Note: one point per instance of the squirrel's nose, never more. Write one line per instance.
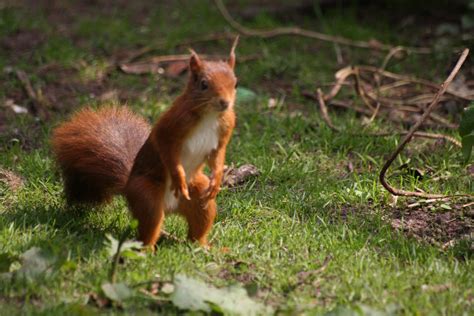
(224, 104)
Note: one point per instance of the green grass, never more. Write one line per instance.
(302, 208)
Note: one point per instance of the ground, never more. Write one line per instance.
(313, 231)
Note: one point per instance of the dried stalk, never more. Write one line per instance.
(324, 111)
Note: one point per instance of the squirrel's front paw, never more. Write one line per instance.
(213, 189)
(183, 189)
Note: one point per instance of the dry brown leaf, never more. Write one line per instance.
(176, 69)
(141, 68)
(235, 176)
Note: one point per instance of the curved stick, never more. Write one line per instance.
(412, 131)
(311, 34)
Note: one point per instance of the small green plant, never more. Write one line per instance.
(466, 130)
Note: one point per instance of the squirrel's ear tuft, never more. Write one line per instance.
(231, 60)
(194, 62)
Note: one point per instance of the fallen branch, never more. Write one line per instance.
(186, 42)
(310, 34)
(153, 64)
(411, 133)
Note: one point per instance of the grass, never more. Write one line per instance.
(302, 208)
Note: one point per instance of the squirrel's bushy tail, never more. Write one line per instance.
(96, 150)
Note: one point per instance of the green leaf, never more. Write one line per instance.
(128, 246)
(343, 311)
(362, 310)
(466, 126)
(117, 292)
(467, 143)
(245, 95)
(35, 263)
(132, 254)
(194, 295)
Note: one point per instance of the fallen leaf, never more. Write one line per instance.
(191, 294)
(117, 292)
(235, 176)
(245, 95)
(35, 262)
(141, 68)
(167, 288)
(110, 95)
(18, 109)
(176, 69)
(127, 250)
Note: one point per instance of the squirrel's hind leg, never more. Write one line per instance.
(199, 212)
(145, 200)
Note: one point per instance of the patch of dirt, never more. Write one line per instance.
(240, 271)
(11, 179)
(438, 227)
(29, 138)
(22, 41)
(427, 223)
(63, 86)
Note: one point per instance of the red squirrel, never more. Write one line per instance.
(159, 171)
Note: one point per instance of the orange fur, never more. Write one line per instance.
(164, 173)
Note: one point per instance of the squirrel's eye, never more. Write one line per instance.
(203, 84)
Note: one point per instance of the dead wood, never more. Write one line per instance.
(310, 34)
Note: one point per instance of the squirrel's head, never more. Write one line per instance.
(213, 83)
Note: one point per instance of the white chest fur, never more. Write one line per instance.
(198, 145)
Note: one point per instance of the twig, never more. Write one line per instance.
(467, 205)
(447, 138)
(390, 54)
(412, 131)
(38, 103)
(324, 111)
(310, 34)
(113, 270)
(360, 90)
(325, 115)
(344, 73)
(387, 58)
(428, 83)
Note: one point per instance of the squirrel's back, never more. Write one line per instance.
(96, 149)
